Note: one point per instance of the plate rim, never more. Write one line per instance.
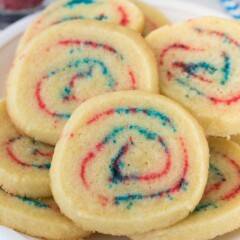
(17, 28)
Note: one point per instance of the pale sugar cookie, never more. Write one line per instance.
(38, 218)
(121, 12)
(129, 162)
(236, 138)
(24, 162)
(219, 209)
(154, 18)
(198, 66)
(69, 63)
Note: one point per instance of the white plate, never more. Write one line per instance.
(175, 10)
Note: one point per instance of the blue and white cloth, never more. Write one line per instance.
(232, 7)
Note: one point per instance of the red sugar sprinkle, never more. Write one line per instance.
(68, 135)
(100, 146)
(157, 175)
(169, 76)
(100, 115)
(69, 42)
(89, 157)
(232, 194)
(226, 101)
(41, 104)
(133, 80)
(213, 188)
(185, 169)
(236, 189)
(124, 20)
(14, 157)
(176, 46)
(104, 200)
(133, 110)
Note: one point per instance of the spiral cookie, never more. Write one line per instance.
(129, 162)
(121, 12)
(40, 218)
(219, 209)
(154, 18)
(75, 61)
(24, 162)
(198, 65)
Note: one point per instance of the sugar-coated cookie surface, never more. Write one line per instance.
(236, 138)
(24, 162)
(69, 63)
(154, 18)
(39, 218)
(128, 162)
(120, 12)
(198, 65)
(219, 210)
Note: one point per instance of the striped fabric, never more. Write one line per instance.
(232, 7)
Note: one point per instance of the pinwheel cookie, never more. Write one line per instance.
(40, 218)
(154, 18)
(70, 63)
(198, 65)
(121, 12)
(129, 162)
(219, 209)
(24, 162)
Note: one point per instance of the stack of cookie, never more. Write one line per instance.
(128, 160)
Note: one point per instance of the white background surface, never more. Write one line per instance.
(175, 10)
(214, 4)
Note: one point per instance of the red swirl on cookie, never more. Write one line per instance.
(198, 73)
(29, 153)
(117, 173)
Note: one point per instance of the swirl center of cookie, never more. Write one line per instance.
(207, 71)
(83, 76)
(29, 153)
(223, 184)
(129, 144)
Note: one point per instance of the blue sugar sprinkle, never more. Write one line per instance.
(185, 84)
(204, 207)
(149, 112)
(193, 68)
(32, 202)
(226, 69)
(73, 3)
